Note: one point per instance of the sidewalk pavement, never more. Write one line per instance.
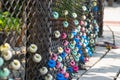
(118, 77)
(112, 15)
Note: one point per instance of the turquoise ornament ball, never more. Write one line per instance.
(10, 79)
(74, 52)
(4, 73)
(65, 24)
(55, 15)
(77, 58)
(71, 46)
(76, 22)
(59, 58)
(1, 61)
(78, 28)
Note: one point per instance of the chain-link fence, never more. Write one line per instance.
(55, 26)
(62, 31)
(12, 39)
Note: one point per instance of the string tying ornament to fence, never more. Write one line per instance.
(109, 45)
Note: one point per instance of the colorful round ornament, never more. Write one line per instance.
(70, 36)
(75, 68)
(5, 47)
(67, 50)
(37, 58)
(59, 59)
(94, 3)
(78, 28)
(4, 73)
(74, 52)
(63, 35)
(73, 42)
(77, 58)
(65, 12)
(86, 59)
(55, 15)
(65, 42)
(7, 55)
(43, 70)
(76, 49)
(1, 61)
(57, 34)
(63, 55)
(83, 17)
(84, 8)
(81, 23)
(60, 76)
(48, 77)
(72, 62)
(61, 70)
(54, 57)
(58, 64)
(66, 75)
(76, 22)
(70, 69)
(95, 8)
(72, 46)
(65, 24)
(51, 63)
(74, 15)
(60, 50)
(32, 48)
(15, 64)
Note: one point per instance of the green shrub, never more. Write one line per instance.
(8, 23)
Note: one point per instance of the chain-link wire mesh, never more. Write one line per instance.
(12, 39)
(49, 18)
(26, 22)
(39, 34)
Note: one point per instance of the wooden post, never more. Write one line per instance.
(100, 19)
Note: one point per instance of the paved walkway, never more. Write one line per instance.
(112, 15)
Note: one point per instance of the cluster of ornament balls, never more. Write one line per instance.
(73, 47)
(37, 59)
(7, 54)
(55, 60)
(51, 64)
